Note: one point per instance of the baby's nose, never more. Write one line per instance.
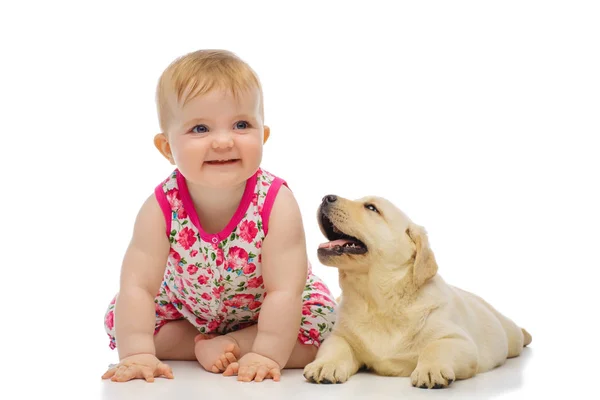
(222, 141)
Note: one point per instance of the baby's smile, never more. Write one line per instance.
(221, 162)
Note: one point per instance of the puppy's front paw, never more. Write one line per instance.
(432, 376)
(320, 371)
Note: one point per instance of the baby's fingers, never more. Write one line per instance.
(164, 369)
(147, 374)
(275, 373)
(124, 373)
(109, 373)
(261, 373)
(247, 373)
(232, 369)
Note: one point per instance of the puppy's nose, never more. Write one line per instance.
(330, 198)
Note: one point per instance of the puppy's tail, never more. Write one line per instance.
(526, 337)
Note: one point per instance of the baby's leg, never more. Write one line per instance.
(173, 336)
(176, 341)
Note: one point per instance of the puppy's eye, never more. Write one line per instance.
(372, 208)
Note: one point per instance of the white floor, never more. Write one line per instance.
(562, 361)
(513, 380)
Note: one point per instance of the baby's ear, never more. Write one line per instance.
(425, 266)
(162, 144)
(266, 134)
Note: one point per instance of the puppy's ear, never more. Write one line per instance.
(425, 267)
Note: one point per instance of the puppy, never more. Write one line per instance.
(397, 316)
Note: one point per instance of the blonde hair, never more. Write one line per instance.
(198, 73)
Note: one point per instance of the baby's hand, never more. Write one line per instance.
(139, 366)
(253, 366)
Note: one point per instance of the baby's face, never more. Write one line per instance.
(216, 139)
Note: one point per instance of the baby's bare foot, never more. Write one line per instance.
(216, 353)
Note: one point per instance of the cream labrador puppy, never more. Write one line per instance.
(397, 316)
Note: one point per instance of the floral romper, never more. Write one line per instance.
(214, 280)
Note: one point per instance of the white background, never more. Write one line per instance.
(479, 119)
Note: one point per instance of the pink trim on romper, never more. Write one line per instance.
(188, 205)
(269, 201)
(161, 197)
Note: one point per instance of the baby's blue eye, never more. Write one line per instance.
(241, 125)
(200, 129)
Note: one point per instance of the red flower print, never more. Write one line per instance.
(258, 244)
(185, 304)
(167, 311)
(179, 269)
(321, 288)
(206, 296)
(193, 300)
(202, 279)
(303, 339)
(192, 269)
(216, 291)
(212, 325)
(318, 298)
(220, 257)
(306, 310)
(248, 231)
(254, 305)
(255, 282)
(239, 300)
(237, 258)
(200, 321)
(109, 320)
(176, 203)
(186, 238)
(193, 253)
(314, 334)
(255, 199)
(179, 283)
(249, 268)
(175, 256)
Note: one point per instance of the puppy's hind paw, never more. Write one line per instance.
(326, 372)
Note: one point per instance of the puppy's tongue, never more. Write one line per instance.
(338, 242)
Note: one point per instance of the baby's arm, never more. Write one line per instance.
(284, 269)
(141, 275)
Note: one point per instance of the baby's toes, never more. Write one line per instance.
(225, 361)
(219, 364)
(232, 348)
(231, 358)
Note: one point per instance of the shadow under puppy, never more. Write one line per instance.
(397, 316)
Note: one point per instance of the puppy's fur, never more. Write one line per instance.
(397, 316)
